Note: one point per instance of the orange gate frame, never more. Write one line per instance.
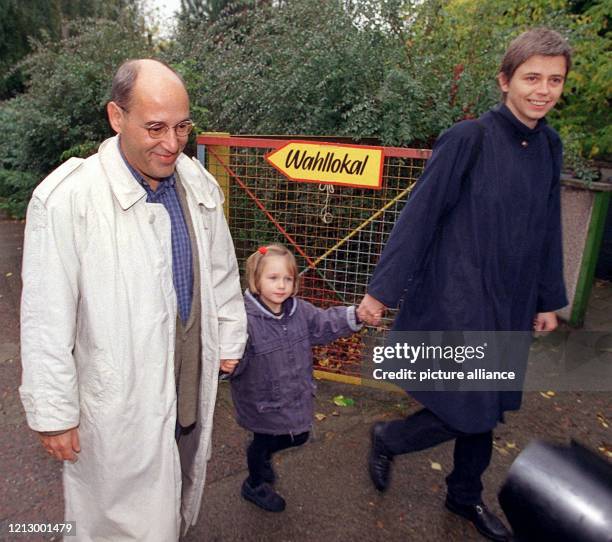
(337, 232)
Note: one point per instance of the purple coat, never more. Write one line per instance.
(272, 386)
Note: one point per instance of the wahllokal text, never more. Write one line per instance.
(328, 162)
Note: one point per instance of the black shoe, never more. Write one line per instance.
(263, 496)
(487, 523)
(379, 462)
(267, 472)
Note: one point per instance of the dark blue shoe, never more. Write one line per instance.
(379, 462)
(263, 496)
(487, 523)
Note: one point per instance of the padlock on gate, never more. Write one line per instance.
(558, 493)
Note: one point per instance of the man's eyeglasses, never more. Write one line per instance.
(158, 130)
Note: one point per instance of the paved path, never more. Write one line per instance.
(329, 496)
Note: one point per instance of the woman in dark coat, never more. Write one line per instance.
(478, 248)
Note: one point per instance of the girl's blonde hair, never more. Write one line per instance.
(255, 264)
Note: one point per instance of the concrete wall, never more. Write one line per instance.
(576, 209)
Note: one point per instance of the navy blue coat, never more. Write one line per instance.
(272, 386)
(478, 248)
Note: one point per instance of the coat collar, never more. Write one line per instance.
(128, 191)
(198, 182)
(254, 307)
(124, 187)
(521, 130)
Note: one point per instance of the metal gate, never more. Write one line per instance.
(336, 232)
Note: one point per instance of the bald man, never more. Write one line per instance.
(131, 305)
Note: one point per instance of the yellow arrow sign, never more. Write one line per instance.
(349, 165)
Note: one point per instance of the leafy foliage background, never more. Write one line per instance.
(400, 71)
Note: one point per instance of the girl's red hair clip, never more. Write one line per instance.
(262, 250)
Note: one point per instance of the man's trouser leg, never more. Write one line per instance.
(472, 454)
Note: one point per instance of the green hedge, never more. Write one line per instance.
(397, 70)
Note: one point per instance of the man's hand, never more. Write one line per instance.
(545, 321)
(64, 446)
(228, 365)
(370, 310)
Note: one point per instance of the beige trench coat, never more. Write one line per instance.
(98, 324)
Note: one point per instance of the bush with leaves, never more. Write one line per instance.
(397, 70)
(62, 113)
(477, 32)
(400, 71)
(22, 23)
(308, 66)
(588, 100)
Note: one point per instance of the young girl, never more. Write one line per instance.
(272, 386)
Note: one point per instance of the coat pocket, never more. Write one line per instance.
(263, 371)
(268, 406)
(99, 385)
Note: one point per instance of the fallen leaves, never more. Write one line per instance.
(506, 448)
(319, 416)
(340, 400)
(604, 343)
(606, 449)
(548, 394)
(602, 420)
(343, 356)
(435, 465)
(500, 449)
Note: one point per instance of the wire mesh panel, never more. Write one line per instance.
(336, 232)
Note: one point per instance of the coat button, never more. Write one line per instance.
(524, 143)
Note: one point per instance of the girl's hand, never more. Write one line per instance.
(228, 365)
(545, 321)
